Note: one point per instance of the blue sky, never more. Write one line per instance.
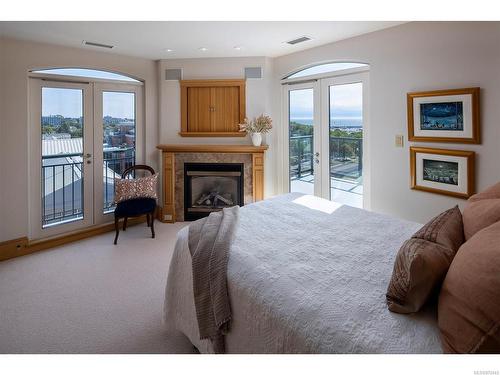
(68, 103)
(345, 101)
(119, 104)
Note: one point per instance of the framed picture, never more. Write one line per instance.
(449, 172)
(444, 116)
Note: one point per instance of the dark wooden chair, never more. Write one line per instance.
(135, 207)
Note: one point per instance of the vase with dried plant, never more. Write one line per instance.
(256, 127)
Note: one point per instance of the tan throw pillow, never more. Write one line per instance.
(144, 187)
(422, 262)
(482, 210)
(469, 302)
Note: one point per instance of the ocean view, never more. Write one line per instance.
(336, 122)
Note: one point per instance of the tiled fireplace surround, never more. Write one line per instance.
(174, 157)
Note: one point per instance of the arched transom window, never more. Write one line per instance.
(325, 68)
(87, 73)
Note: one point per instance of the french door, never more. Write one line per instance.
(117, 117)
(304, 138)
(326, 129)
(83, 135)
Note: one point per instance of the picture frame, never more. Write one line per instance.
(444, 116)
(448, 172)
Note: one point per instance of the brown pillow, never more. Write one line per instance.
(422, 262)
(469, 302)
(482, 210)
(144, 187)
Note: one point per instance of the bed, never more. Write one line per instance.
(306, 275)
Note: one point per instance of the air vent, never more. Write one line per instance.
(173, 74)
(299, 40)
(95, 44)
(253, 72)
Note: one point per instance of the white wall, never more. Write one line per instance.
(410, 57)
(415, 57)
(17, 58)
(258, 99)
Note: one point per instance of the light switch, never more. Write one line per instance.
(399, 140)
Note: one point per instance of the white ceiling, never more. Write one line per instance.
(151, 39)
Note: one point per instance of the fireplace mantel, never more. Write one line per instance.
(168, 209)
(223, 149)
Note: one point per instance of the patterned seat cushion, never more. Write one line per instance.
(144, 187)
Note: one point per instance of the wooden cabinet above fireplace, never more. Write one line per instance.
(212, 108)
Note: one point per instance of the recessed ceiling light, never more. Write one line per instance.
(168, 50)
(237, 48)
(203, 49)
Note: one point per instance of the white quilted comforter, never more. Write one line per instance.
(306, 275)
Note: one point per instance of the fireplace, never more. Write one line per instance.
(210, 187)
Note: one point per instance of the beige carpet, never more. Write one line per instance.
(90, 296)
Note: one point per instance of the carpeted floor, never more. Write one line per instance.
(90, 296)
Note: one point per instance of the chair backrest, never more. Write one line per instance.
(135, 168)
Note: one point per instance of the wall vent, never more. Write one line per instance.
(253, 72)
(173, 74)
(95, 44)
(299, 40)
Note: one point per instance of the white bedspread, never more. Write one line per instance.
(306, 275)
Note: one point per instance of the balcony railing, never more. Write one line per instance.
(62, 186)
(113, 168)
(346, 157)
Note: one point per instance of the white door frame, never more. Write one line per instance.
(99, 87)
(314, 85)
(321, 124)
(325, 127)
(35, 158)
(93, 133)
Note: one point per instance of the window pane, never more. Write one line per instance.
(325, 68)
(89, 73)
(301, 141)
(62, 147)
(346, 144)
(118, 140)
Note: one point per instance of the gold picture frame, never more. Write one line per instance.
(448, 172)
(462, 127)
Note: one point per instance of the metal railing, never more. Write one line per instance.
(301, 156)
(113, 168)
(346, 157)
(62, 186)
(62, 189)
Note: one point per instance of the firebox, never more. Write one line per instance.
(210, 187)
